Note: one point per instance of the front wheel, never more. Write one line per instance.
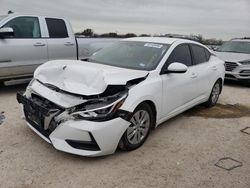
(138, 131)
(215, 93)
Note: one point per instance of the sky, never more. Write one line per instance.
(221, 19)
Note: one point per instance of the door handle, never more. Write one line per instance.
(193, 75)
(69, 44)
(214, 68)
(39, 44)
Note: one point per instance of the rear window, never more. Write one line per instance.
(199, 54)
(57, 28)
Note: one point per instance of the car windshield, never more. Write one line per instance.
(2, 17)
(235, 46)
(131, 54)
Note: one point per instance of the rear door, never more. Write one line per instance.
(61, 40)
(23, 52)
(179, 89)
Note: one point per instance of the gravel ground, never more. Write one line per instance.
(180, 153)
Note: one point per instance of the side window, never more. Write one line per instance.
(208, 54)
(199, 54)
(57, 28)
(25, 27)
(181, 54)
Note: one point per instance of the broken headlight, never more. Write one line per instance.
(99, 108)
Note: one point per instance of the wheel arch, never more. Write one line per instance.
(153, 108)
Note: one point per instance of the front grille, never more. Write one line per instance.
(44, 102)
(230, 65)
(245, 73)
(36, 113)
(37, 126)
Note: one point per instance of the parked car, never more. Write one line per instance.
(124, 90)
(213, 47)
(27, 41)
(236, 54)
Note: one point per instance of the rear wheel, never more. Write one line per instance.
(138, 131)
(215, 93)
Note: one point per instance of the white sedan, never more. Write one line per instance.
(115, 98)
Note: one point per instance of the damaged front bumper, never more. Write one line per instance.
(81, 137)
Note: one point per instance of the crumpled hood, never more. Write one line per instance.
(232, 57)
(84, 78)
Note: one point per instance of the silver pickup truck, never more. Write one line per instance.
(27, 41)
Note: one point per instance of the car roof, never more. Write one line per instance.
(164, 40)
(32, 15)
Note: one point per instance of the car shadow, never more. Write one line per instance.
(12, 89)
(234, 83)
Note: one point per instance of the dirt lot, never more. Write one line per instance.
(180, 153)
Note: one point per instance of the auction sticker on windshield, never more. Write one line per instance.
(153, 45)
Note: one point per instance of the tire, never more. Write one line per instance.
(215, 93)
(137, 133)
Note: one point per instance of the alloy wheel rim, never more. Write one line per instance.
(215, 93)
(139, 127)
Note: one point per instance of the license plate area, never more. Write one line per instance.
(34, 115)
(34, 112)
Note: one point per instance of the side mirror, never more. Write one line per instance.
(6, 32)
(176, 68)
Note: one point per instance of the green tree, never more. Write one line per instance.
(144, 35)
(128, 35)
(88, 32)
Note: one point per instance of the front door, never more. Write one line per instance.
(179, 88)
(23, 52)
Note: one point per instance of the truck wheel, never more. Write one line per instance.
(136, 134)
